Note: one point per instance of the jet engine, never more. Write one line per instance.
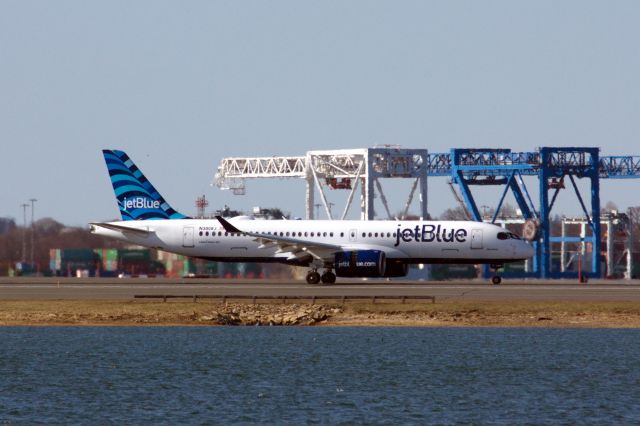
(367, 263)
(360, 263)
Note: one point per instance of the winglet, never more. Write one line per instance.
(226, 225)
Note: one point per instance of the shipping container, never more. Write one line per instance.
(66, 262)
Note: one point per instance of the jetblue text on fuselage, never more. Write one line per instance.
(140, 203)
(430, 233)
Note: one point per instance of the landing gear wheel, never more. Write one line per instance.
(313, 277)
(496, 279)
(328, 278)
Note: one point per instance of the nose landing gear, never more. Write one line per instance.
(496, 279)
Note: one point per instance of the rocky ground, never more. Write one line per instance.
(514, 314)
(157, 313)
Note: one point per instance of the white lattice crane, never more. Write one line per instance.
(347, 169)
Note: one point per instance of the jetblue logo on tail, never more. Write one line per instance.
(137, 198)
(140, 203)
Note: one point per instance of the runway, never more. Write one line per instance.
(126, 289)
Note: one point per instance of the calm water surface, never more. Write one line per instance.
(217, 375)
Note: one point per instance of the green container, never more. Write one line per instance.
(78, 255)
(134, 255)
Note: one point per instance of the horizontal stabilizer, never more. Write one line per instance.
(122, 228)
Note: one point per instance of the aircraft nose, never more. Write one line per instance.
(527, 250)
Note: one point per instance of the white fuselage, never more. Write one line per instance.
(407, 241)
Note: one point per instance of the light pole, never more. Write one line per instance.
(24, 232)
(484, 211)
(33, 229)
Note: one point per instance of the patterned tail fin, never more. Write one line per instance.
(137, 198)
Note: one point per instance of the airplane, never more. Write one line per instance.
(340, 248)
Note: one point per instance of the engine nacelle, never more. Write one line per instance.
(361, 263)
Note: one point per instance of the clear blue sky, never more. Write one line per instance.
(180, 85)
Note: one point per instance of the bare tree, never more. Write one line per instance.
(609, 207)
(456, 213)
(634, 214)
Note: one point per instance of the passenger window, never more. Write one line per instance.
(312, 234)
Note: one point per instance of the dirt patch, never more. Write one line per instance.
(497, 314)
(453, 314)
(83, 312)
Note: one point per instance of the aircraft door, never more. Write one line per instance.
(476, 238)
(187, 236)
(353, 235)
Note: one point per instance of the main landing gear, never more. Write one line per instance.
(496, 279)
(328, 277)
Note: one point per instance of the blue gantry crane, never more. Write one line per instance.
(553, 166)
(556, 168)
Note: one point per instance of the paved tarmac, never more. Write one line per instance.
(477, 290)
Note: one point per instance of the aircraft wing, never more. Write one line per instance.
(297, 248)
(123, 228)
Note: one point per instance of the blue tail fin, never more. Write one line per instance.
(137, 198)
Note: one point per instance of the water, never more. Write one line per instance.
(217, 375)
